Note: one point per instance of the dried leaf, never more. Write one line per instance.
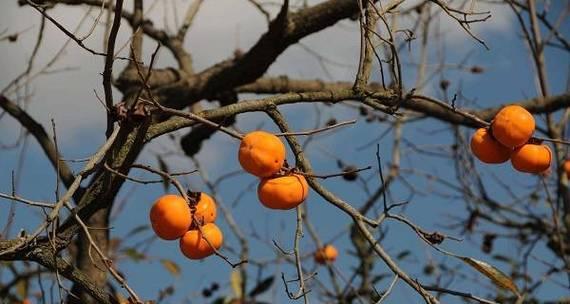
(402, 255)
(137, 230)
(262, 287)
(22, 288)
(133, 254)
(495, 275)
(172, 267)
(165, 293)
(236, 282)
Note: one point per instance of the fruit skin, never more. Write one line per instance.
(284, 192)
(531, 158)
(206, 210)
(170, 217)
(325, 254)
(261, 154)
(194, 245)
(487, 149)
(567, 168)
(513, 126)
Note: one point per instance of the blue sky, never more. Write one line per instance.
(68, 99)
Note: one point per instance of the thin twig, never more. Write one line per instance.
(460, 294)
(25, 201)
(106, 261)
(108, 69)
(325, 176)
(311, 132)
(387, 292)
(87, 170)
(68, 33)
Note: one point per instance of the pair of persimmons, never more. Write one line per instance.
(261, 154)
(510, 137)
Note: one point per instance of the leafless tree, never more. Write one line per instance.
(395, 83)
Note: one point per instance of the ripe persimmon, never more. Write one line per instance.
(283, 192)
(200, 243)
(487, 149)
(205, 209)
(513, 126)
(170, 217)
(531, 158)
(327, 253)
(261, 154)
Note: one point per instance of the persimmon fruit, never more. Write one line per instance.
(487, 149)
(327, 253)
(206, 210)
(513, 126)
(283, 192)
(170, 217)
(261, 153)
(200, 243)
(531, 158)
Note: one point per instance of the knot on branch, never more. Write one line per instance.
(136, 114)
(435, 238)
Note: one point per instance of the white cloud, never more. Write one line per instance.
(69, 99)
(501, 19)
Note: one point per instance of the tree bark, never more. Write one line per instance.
(87, 259)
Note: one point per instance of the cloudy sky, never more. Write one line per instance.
(67, 96)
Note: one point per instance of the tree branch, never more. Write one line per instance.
(47, 145)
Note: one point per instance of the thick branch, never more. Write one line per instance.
(286, 30)
(297, 91)
(47, 258)
(281, 85)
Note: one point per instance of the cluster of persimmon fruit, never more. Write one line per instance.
(510, 137)
(192, 222)
(263, 154)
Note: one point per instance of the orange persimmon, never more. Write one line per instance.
(261, 154)
(283, 192)
(513, 126)
(170, 217)
(531, 158)
(327, 253)
(487, 149)
(200, 243)
(206, 210)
